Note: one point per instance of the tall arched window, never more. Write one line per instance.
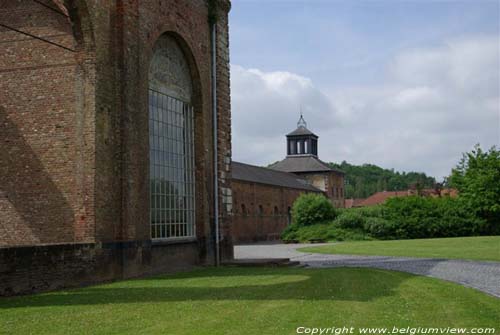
(171, 143)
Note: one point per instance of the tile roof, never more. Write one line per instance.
(257, 174)
(380, 197)
(306, 163)
(301, 131)
(349, 203)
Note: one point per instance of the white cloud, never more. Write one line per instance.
(266, 106)
(432, 104)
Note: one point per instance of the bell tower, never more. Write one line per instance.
(301, 141)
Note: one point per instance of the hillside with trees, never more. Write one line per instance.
(364, 180)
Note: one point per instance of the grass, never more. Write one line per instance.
(476, 248)
(251, 301)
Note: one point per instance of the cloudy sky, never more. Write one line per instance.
(408, 85)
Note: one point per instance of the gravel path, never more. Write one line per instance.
(484, 276)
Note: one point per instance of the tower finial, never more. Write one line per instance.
(301, 122)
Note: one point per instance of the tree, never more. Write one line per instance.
(366, 179)
(477, 178)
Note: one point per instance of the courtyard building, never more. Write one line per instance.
(263, 197)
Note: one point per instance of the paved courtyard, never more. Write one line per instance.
(484, 276)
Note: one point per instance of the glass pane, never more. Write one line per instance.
(171, 139)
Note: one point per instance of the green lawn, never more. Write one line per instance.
(251, 301)
(478, 248)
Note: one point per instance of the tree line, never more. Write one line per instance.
(367, 179)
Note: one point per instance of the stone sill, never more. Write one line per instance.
(183, 240)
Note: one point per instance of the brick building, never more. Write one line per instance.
(107, 131)
(302, 160)
(263, 197)
(262, 201)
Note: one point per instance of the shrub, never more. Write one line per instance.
(419, 217)
(414, 217)
(290, 233)
(458, 220)
(397, 218)
(322, 231)
(350, 220)
(379, 227)
(371, 211)
(310, 209)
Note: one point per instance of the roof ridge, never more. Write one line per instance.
(291, 174)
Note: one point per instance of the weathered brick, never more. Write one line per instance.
(74, 163)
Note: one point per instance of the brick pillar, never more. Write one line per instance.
(224, 129)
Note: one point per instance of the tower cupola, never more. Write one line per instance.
(302, 141)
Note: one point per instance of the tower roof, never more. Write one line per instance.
(303, 164)
(301, 128)
(301, 131)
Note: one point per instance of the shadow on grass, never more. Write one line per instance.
(350, 284)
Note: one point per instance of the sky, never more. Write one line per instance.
(403, 84)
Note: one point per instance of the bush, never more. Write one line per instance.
(371, 211)
(458, 220)
(379, 228)
(397, 218)
(311, 209)
(322, 231)
(350, 220)
(419, 217)
(414, 217)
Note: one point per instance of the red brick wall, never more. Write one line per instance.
(336, 189)
(334, 186)
(254, 225)
(46, 192)
(74, 162)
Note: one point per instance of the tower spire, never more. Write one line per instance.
(301, 122)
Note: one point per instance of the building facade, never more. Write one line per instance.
(302, 160)
(107, 167)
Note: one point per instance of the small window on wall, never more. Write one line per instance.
(293, 148)
(341, 192)
(243, 210)
(261, 210)
(276, 211)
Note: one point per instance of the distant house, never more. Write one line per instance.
(380, 197)
(349, 203)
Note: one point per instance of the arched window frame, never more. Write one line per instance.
(171, 146)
